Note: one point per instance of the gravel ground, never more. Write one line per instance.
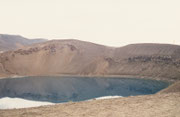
(158, 105)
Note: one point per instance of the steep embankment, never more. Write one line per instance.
(174, 88)
(55, 57)
(10, 42)
(84, 58)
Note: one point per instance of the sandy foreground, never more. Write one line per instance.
(158, 105)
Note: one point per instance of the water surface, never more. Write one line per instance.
(64, 89)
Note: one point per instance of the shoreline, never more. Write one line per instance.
(137, 102)
(18, 77)
(132, 105)
(97, 76)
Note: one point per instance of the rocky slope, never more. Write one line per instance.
(84, 58)
(10, 42)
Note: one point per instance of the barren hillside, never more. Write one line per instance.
(85, 58)
(10, 42)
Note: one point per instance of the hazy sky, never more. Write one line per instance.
(109, 22)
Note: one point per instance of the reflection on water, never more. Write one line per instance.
(64, 89)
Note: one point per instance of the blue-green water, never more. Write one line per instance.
(63, 89)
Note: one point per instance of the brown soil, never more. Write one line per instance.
(159, 105)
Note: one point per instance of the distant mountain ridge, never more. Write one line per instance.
(75, 57)
(10, 42)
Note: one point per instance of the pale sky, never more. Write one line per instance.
(108, 22)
